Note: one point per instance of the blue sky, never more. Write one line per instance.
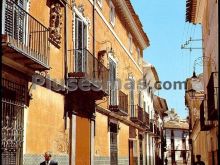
(164, 23)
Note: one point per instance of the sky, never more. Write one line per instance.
(164, 23)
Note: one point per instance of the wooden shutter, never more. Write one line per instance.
(15, 16)
(9, 18)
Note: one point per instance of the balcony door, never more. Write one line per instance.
(132, 112)
(113, 85)
(80, 45)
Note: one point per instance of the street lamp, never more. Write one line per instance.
(191, 92)
(194, 74)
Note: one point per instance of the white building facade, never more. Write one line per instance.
(176, 132)
(150, 80)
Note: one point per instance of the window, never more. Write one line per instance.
(130, 43)
(80, 45)
(99, 2)
(144, 106)
(149, 90)
(140, 99)
(132, 112)
(139, 56)
(112, 78)
(151, 95)
(172, 133)
(15, 18)
(12, 115)
(112, 13)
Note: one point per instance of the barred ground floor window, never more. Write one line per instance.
(13, 99)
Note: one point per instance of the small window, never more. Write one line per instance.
(140, 99)
(139, 56)
(99, 2)
(80, 60)
(130, 43)
(113, 85)
(144, 106)
(112, 13)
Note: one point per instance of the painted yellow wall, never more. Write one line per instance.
(200, 146)
(123, 137)
(101, 136)
(45, 124)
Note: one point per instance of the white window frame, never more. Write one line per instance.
(99, 2)
(112, 14)
(116, 71)
(130, 42)
(78, 14)
(139, 56)
(132, 78)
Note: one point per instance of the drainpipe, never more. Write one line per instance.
(65, 46)
(92, 121)
(93, 23)
(71, 116)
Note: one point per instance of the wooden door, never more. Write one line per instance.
(131, 156)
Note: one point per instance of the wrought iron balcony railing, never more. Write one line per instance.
(146, 118)
(203, 124)
(212, 96)
(184, 144)
(151, 127)
(88, 67)
(25, 36)
(136, 114)
(122, 106)
(157, 131)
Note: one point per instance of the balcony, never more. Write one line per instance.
(151, 127)
(24, 39)
(183, 144)
(212, 97)
(203, 124)
(90, 76)
(146, 119)
(120, 108)
(158, 131)
(155, 129)
(136, 114)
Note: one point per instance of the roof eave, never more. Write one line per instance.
(135, 23)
